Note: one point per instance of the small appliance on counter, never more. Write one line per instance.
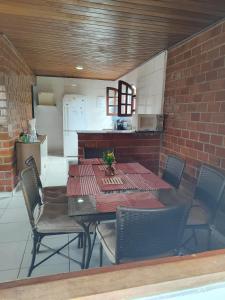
(122, 124)
(150, 122)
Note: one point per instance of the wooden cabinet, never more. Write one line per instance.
(38, 150)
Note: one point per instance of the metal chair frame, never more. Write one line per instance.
(173, 170)
(30, 162)
(32, 201)
(208, 192)
(137, 236)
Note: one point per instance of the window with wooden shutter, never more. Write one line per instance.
(111, 101)
(125, 99)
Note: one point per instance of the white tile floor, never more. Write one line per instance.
(16, 238)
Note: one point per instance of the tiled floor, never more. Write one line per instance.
(16, 239)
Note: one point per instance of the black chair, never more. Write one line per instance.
(46, 219)
(142, 233)
(96, 152)
(50, 194)
(174, 170)
(207, 197)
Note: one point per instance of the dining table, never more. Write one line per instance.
(94, 197)
(90, 179)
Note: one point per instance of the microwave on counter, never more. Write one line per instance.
(149, 122)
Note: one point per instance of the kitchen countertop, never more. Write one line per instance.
(116, 131)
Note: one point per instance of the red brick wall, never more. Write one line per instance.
(129, 147)
(195, 102)
(15, 108)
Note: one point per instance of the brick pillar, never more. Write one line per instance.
(15, 108)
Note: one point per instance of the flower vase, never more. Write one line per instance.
(109, 171)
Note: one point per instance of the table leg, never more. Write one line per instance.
(87, 244)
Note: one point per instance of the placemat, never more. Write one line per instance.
(148, 182)
(155, 182)
(99, 170)
(132, 168)
(81, 170)
(126, 184)
(86, 185)
(91, 161)
(110, 202)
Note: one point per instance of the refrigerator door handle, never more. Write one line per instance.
(67, 117)
(64, 118)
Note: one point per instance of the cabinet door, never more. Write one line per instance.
(125, 99)
(111, 101)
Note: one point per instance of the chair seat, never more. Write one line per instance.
(54, 218)
(106, 233)
(54, 194)
(198, 216)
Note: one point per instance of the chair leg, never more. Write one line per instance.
(84, 241)
(93, 243)
(80, 240)
(209, 239)
(100, 253)
(195, 237)
(34, 252)
(39, 243)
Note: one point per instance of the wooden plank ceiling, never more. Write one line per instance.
(107, 37)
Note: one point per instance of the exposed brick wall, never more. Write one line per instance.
(195, 102)
(15, 108)
(129, 147)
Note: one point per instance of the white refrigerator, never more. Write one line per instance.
(74, 113)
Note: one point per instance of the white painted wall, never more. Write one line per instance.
(50, 119)
(149, 79)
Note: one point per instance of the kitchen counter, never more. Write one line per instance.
(117, 131)
(128, 145)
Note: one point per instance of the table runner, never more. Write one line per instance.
(82, 186)
(91, 161)
(148, 182)
(99, 170)
(109, 203)
(81, 170)
(132, 168)
(105, 187)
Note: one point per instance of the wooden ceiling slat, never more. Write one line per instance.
(108, 37)
(22, 10)
(138, 12)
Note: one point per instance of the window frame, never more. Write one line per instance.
(126, 94)
(115, 101)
